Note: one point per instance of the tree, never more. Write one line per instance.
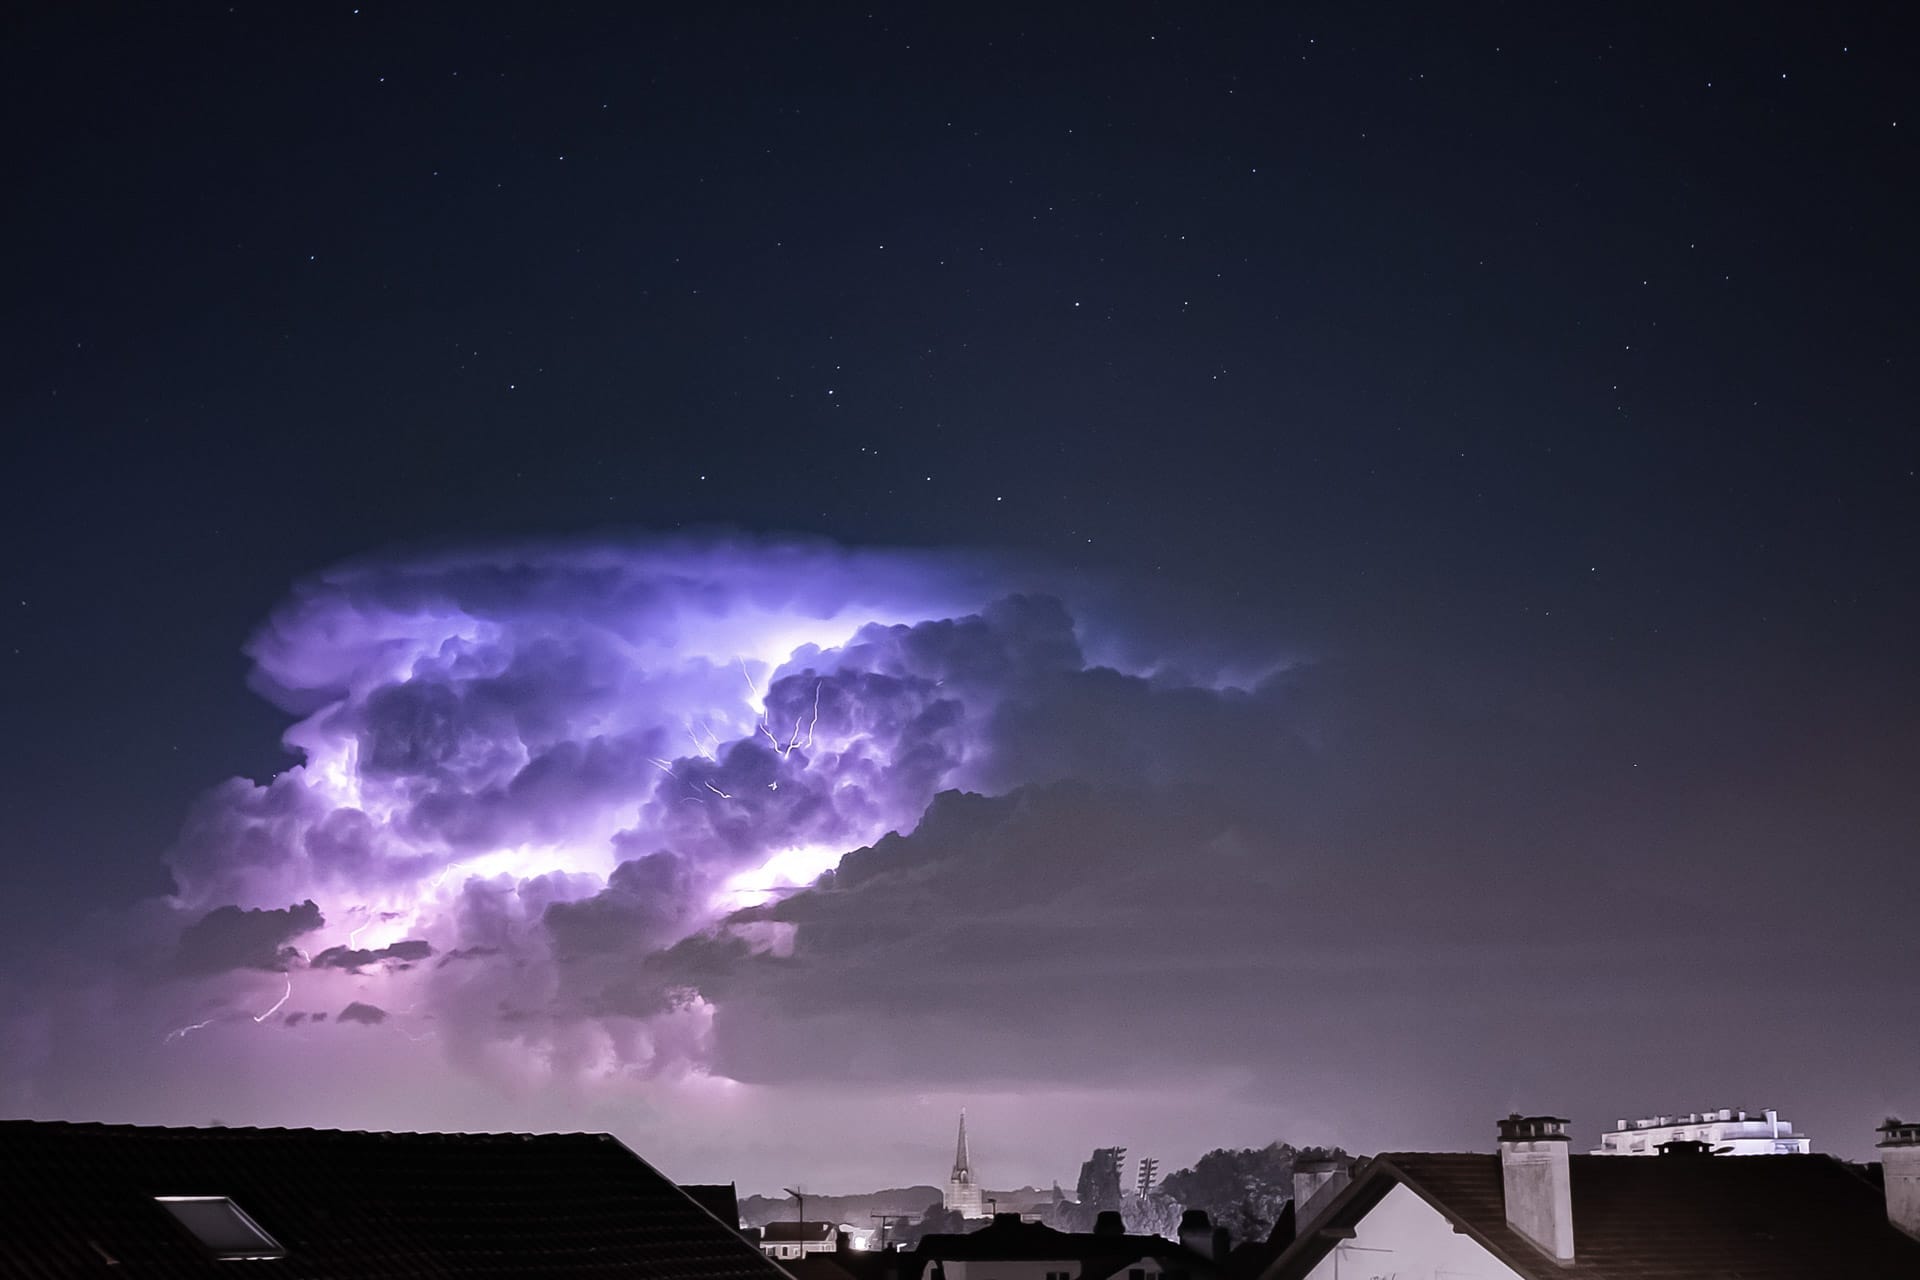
(1242, 1190)
(1100, 1180)
(940, 1220)
(1154, 1214)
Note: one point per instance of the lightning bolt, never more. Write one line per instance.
(277, 1003)
(793, 740)
(179, 1032)
(724, 795)
(353, 937)
(699, 744)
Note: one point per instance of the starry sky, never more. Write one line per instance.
(1365, 554)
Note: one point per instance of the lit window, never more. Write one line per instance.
(223, 1227)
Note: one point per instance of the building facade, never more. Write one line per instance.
(784, 1241)
(1726, 1132)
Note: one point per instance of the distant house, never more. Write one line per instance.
(1532, 1211)
(1010, 1249)
(105, 1200)
(784, 1240)
(1728, 1131)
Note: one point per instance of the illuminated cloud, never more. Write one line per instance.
(531, 780)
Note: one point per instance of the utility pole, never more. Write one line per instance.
(800, 1201)
(1148, 1167)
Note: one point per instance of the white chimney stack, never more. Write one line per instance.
(1315, 1184)
(1900, 1165)
(1538, 1183)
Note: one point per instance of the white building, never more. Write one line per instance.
(785, 1241)
(1726, 1132)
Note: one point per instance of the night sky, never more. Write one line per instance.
(1368, 555)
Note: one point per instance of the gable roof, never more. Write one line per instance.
(1665, 1218)
(77, 1198)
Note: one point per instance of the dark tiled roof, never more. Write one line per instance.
(859, 1264)
(1172, 1259)
(718, 1198)
(1657, 1218)
(77, 1198)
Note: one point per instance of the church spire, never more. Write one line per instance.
(962, 1168)
(963, 1193)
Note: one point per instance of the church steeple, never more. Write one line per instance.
(962, 1169)
(963, 1193)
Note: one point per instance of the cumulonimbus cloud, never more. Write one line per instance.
(547, 797)
(527, 774)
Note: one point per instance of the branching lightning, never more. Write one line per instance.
(786, 751)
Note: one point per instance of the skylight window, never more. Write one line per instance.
(223, 1227)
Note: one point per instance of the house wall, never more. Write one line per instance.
(1405, 1238)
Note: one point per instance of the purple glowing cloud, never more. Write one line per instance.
(552, 763)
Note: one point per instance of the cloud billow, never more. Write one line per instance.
(557, 808)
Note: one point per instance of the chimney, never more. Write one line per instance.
(1537, 1183)
(1900, 1166)
(1196, 1232)
(1315, 1184)
(842, 1243)
(1107, 1223)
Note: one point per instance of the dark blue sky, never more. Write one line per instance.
(1559, 365)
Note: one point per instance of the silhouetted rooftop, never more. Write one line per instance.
(1006, 1238)
(77, 1199)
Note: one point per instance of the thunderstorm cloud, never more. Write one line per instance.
(532, 782)
(676, 836)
